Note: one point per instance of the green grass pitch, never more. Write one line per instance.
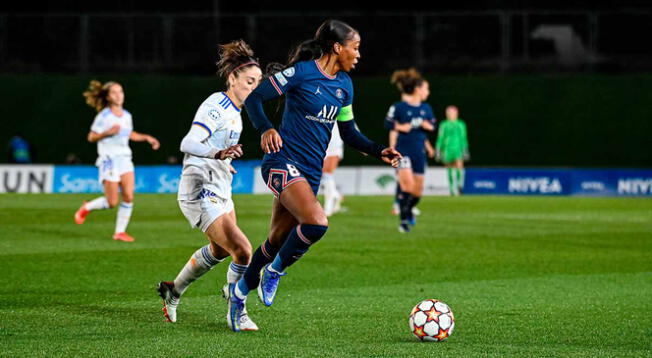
(525, 276)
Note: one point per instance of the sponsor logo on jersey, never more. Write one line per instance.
(281, 79)
(339, 93)
(326, 115)
(289, 72)
(215, 114)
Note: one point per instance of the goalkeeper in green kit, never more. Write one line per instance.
(453, 149)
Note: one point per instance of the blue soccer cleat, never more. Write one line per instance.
(268, 285)
(412, 221)
(236, 306)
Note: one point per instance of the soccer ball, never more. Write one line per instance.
(432, 320)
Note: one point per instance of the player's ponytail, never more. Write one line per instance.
(407, 80)
(235, 57)
(96, 94)
(328, 33)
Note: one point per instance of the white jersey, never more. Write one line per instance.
(221, 120)
(118, 144)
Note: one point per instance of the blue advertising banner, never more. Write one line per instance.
(149, 179)
(582, 182)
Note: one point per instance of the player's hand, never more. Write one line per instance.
(232, 152)
(466, 156)
(153, 142)
(427, 126)
(391, 156)
(271, 141)
(115, 129)
(232, 169)
(430, 152)
(438, 155)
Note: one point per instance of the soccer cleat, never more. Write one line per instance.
(412, 221)
(396, 209)
(404, 228)
(337, 206)
(235, 308)
(268, 285)
(416, 211)
(80, 214)
(170, 300)
(123, 236)
(246, 324)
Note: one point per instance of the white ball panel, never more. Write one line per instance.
(430, 339)
(445, 321)
(431, 328)
(425, 305)
(420, 318)
(442, 307)
(450, 330)
(411, 324)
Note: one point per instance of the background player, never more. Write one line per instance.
(205, 185)
(334, 153)
(452, 149)
(318, 93)
(112, 129)
(411, 119)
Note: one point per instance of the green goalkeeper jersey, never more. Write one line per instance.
(452, 136)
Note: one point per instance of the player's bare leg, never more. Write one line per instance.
(127, 184)
(301, 203)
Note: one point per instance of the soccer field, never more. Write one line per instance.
(525, 276)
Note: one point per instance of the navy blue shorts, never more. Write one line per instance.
(414, 160)
(278, 173)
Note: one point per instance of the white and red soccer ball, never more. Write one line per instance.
(432, 320)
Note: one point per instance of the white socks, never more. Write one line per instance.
(97, 204)
(122, 219)
(235, 272)
(200, 262)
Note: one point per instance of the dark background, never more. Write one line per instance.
(524, 103)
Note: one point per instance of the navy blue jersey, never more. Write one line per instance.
(313, 101)
(401, 112)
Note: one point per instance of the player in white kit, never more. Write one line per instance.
(334, 153)
(205, 186)
(112, 130)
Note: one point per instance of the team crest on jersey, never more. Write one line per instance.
(339, 93)
(215, 114)
(289, 72)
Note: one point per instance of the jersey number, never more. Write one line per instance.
(293, 170)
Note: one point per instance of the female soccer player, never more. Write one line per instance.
(452, 149)
(411, 119)
(205, 185)
(334, 153)
(318, 93)
(112, 129)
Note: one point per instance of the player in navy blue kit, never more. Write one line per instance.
(318, 93)
(411, 118)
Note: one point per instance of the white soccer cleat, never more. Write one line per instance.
(246, 324)
(416, 211)
(170, 300)
(396, 209)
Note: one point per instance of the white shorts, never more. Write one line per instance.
(202, 212)
(335, 152)
(112, 168)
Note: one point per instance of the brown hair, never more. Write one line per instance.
(234, 58)
(96, 94)
(407, 80)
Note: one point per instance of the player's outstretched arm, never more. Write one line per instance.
(352, 136)
(142, 137)
(193, 144)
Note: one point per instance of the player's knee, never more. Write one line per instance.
(127, 197)
(317, 219)
(312, 233)
(113, 202)
(242, 253)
